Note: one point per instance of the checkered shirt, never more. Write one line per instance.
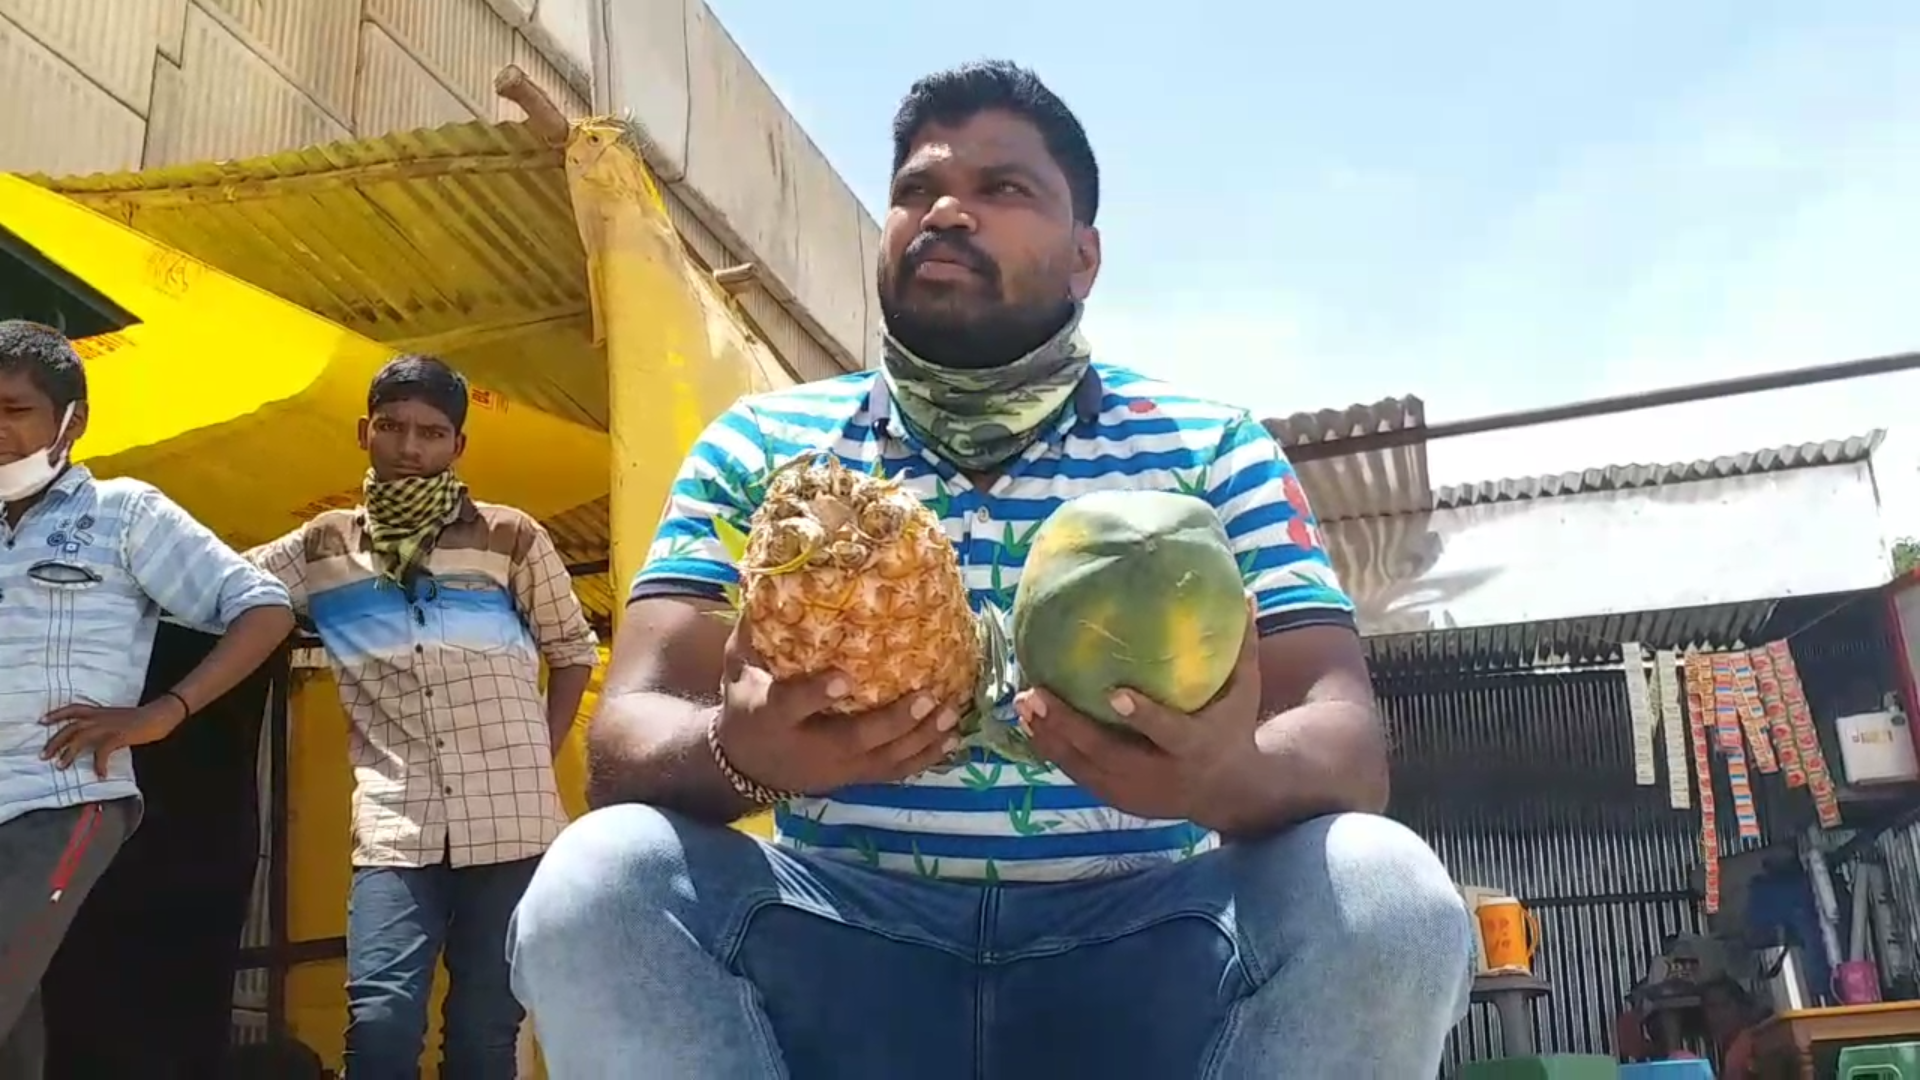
(448, 727)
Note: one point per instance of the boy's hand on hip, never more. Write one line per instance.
(84, 729)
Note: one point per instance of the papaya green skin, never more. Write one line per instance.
(1136, 589)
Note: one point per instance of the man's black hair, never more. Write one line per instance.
(426, 379)
(47, 358)
(957, 95)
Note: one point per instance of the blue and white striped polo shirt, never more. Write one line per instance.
(990, 819)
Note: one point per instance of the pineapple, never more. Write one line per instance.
(846, 570)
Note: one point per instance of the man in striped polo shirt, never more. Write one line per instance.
(1228, 906)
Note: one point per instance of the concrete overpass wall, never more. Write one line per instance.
(109, 85)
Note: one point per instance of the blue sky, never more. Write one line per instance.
(1491, 205)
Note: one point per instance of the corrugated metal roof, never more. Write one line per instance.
(1328, 425)
(1625, 477)
(1381, 481)
(1595, 641)
(1570, 642)
(459, 240)
(1472, 586)
(583, 537)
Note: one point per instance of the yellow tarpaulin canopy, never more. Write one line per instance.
(242, 406)
(552, 276)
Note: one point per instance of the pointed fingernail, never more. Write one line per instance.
(837, 687)
(1122, 703)
(1036, 706)
(948, 720)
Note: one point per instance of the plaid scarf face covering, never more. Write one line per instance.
(405, 516)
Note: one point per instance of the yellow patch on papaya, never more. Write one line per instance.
(1191, 666)
(1096, 645)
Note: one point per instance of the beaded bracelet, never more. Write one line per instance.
(751, 790)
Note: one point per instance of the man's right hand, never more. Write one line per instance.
(778, 733)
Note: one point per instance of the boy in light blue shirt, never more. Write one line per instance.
(87, 566)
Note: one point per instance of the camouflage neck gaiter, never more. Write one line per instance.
(980, 419)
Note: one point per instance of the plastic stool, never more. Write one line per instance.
(1880, 1061)
(1690, 1069)
(1543, 1067)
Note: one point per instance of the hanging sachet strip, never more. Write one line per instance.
(1726, 712)
(1774, 704)
(1753, 717)
(1673, 726)
(1640, 714)
(1699, 707)
(1826, 803)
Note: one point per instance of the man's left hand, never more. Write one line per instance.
(84, 729)
(1177, 765)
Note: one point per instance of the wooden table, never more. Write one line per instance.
(1512, 998)
(1783, 1045)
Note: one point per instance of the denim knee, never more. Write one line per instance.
(386, 1031)
(1386, 906)
(601, 891)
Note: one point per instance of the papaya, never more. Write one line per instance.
(1136, 589)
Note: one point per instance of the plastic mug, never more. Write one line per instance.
(1509, 932)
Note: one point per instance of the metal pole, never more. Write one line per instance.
(1580, 410)
(279, 827)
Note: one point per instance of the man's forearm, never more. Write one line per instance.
(1324, 757)
(565, 687)
(652, 748)
(250, 639)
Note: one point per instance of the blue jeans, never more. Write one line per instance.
(652, 946)
(399, 920)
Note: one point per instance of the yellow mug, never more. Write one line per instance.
(1509, 933)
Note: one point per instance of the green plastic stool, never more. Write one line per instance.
(1544, 1067)
(1882, 1061)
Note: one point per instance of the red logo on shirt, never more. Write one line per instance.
(1297, 497)
(1302, 534)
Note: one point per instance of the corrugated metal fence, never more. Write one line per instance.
(1525, 783)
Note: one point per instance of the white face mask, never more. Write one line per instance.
(32, 473)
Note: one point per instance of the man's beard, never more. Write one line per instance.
(994, 336)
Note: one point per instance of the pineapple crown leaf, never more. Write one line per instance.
(754, 487)
(983, 728)
(790, 565)
(996, 651)
(736, 542)
(731, 538)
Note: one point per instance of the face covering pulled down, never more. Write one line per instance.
(981, 418)
(31, 474)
